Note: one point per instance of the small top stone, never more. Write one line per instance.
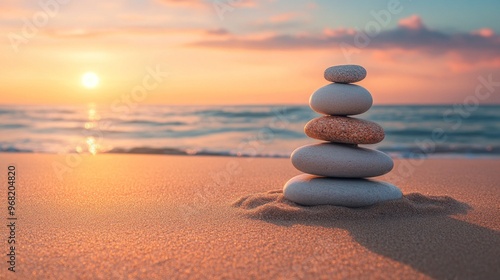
(345, 74)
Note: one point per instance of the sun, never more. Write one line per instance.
(90, 80)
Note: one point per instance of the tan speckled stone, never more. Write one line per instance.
(344, 130)
(345, 74)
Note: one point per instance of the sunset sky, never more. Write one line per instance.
(245, 52)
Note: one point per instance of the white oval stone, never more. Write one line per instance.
(341, 99)
(312, 190)
(345, 74)
(341, 160)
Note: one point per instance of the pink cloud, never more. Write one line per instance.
(182, 2)
(80, 33)
(330, 32)
(11, 9)
(243, 3)
(311, 6)
(283, 17)
(201, 3)
(458, 64)
(413, 22)
(218, 32)
(484, 32)
(280, 21)
(410, 35)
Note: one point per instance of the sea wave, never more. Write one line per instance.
(257, 131)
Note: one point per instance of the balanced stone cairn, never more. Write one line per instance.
(336, 169)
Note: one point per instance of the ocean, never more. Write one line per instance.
(247, 131)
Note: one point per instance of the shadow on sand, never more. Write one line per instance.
(415, 230)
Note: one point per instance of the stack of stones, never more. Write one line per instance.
(336, 169)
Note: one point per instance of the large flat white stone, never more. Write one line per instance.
(341, 160)
(312, 190)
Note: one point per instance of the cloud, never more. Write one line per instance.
(240, 3)
(411, 34)
(283, 17)
(82, 33)
(218, 32)
(10, 9)
(484, 32)
(210, 3)
(338, 32)
(185, 3)
(413, 22)
(282, 21)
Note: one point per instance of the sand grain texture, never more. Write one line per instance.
(171, 217)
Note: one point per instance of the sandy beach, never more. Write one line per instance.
(182, 217)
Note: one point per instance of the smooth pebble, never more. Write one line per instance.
(341, 160)
(341, 99)
(312, 190)
(345, 74)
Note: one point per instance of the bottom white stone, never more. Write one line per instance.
(312, 190)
